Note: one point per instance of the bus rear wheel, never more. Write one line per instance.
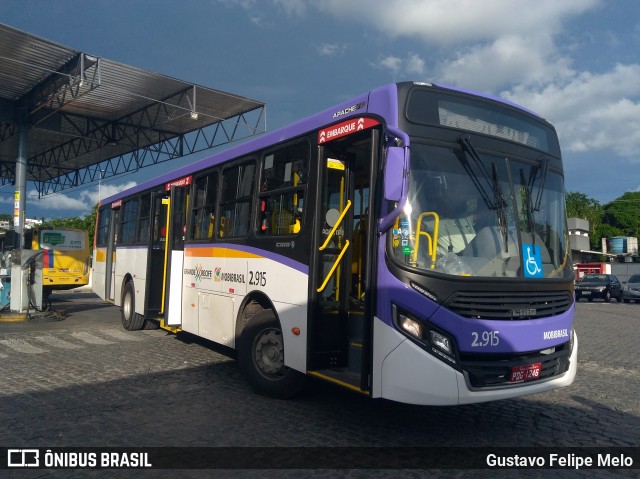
(131, 321)
(261, 358)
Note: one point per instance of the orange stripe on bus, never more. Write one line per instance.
(218, 253)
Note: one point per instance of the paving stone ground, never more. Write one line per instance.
(85, 381)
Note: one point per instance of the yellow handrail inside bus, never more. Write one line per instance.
(335, 227)
(433, 241)
(165, 201)
(333, 268)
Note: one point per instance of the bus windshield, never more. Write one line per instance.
(482, 215)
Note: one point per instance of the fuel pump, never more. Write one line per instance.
(26, 280)
(6, 245)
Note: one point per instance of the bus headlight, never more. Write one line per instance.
(441, 342)
(410, 326)
(434, 340)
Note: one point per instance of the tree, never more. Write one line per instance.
(607, 231)
(86, 223)
(580, 205)
(623, 214)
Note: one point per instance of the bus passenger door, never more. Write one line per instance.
(176, 208)
(110, 267)
(337, 309)
(157, 252)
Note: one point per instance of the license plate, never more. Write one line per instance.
(586, 293)
(528, 372)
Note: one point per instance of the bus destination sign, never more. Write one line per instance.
(345, 128)
(185, 181)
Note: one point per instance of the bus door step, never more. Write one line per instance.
(344, 378)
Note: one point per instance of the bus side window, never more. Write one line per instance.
(235, 201)
(202, 215)
(282, 190)
(103, 226)
(129, 221)
(144, 223)
(283, 214)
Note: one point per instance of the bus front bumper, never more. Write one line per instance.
(407, 373)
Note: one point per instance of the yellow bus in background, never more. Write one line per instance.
(66, 257)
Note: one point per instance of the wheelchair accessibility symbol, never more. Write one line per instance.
(532, 261)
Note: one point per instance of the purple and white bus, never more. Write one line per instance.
(408, 244)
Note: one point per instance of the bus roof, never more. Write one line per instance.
(489, 97)
(380, 101)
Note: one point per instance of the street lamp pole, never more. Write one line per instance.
(100, 185)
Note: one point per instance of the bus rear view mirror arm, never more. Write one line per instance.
(385, 223)
(396, 175)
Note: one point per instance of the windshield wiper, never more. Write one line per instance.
(468, 149)
(527, 200)
(528, 186)
(498, 203)
(501, 206)
(545, 168)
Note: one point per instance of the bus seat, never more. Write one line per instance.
(282, 222)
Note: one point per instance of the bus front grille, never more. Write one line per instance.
(509, 305)
(484, 371)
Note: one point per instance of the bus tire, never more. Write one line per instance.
(150, 324)
(131, 321)
(261, 358)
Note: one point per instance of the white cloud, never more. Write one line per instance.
(511, 48)
(107, 190)
(509, 60)
(59, 201)
(250, 7)
(259, 14)
(292, 7)
(330, 49)
(77, 203)
(411, 65)
(591, 111)
(457, 21)
(415, 64)
(390, 63)
(522, 50)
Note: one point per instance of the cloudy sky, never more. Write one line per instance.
(576, 62)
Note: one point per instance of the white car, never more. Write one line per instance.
(631, 289)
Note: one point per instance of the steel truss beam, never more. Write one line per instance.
(7, 172)
(79, 76)
(145, 153)
(77, 118)
(7, 130)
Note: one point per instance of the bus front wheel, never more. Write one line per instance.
(261, 358)
(130, 319)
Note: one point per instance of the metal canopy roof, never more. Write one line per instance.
(90, 118)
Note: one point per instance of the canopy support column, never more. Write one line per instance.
(20, 195)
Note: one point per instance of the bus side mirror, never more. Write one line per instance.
(395, 184)
(394, 173)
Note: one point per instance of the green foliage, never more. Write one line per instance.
(620, 217)
(580, 205)
(623, 214)
(607, 231)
